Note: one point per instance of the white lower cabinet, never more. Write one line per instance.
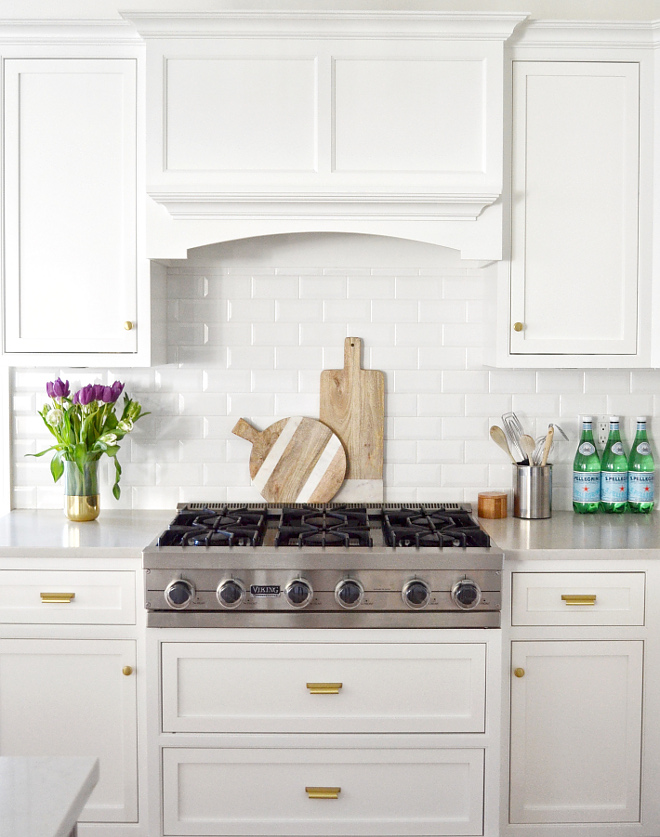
(75, 697)
(309, 733)
(576, 731)
(321, 789)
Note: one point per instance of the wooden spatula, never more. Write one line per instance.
(295, 460)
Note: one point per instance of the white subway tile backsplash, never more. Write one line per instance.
(345, 310)
(293, 357)
(323, 287)
(371, 287)
(251, 310)
(249, 338)
(275, 287)
(441, 311)
(441, 404)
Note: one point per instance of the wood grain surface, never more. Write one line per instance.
(295, 460)
(353, 406)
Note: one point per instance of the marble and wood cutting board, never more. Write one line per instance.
(353, 406)
(295, 460)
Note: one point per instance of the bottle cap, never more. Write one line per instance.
(614, 418)
(641, 418)
(588, 418)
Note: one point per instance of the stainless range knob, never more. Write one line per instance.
(179, 594)
(298, 592)
(466, 594)
(416, 593)
(230, 593)
(349, 593)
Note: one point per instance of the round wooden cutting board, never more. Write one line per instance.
(295, 460)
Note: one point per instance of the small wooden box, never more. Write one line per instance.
(492, 505)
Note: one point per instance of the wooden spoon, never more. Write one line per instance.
(527, 445)
(546, 446)
(497, 435)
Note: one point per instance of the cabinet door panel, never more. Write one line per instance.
(70, 205)
(261, 791)
(70, 698)
(228, 687)
(576, 732)
(575, 198)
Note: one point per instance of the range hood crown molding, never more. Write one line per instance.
(326, 24)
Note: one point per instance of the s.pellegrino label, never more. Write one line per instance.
(586, 472)
(586, 487)
(614, 487)
(641, 487)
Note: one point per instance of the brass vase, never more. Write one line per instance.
(81, 491)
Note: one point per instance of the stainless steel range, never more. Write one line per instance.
(320, 566)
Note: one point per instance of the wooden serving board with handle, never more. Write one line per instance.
(353, 406)
(295, 460)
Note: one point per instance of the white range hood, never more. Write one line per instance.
(382, 122)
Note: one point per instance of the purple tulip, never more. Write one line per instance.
(84, 396)
(57, 389)
(117, 389)
(106, 395)
(97, 392)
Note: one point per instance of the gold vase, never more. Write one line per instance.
(81, 491)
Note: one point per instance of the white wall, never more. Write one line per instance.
(250, 326)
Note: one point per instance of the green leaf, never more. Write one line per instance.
(56, 466)
(80, 455)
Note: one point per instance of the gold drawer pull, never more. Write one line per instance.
(57, 598)
(323, 793)
(127, 671)
(519, 672)
(324, 688)
(579, 599)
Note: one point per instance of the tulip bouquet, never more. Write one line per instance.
(86, 425)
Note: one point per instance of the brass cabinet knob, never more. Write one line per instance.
(517, 326)
(127, 670)
(128, 325)
(519, 672)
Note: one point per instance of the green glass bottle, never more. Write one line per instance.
(641, 468)
(586, 472)
(614, 472)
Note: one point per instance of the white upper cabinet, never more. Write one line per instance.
(576, 290)
(75, 289)
(274, 121)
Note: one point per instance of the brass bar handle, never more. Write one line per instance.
(323, 793)
(579, 599)
(57, 598)
(324, 688)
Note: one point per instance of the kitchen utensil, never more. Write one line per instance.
(527, 445)
(546, 446)
(353, 406)
(498, 436)
(295, 460)
(514, 430)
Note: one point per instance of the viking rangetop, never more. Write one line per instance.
(326, 565)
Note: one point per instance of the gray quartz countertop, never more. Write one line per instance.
(125, 533)
(43, 796)
(593, 535)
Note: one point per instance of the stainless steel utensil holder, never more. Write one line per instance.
(532, 491)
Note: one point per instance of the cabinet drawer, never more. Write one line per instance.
(262, 791)
(36, 596)
(578, 598)
(267, 687)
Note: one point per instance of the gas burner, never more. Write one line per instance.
(308, 526)
(407, 527)
(216, 527)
